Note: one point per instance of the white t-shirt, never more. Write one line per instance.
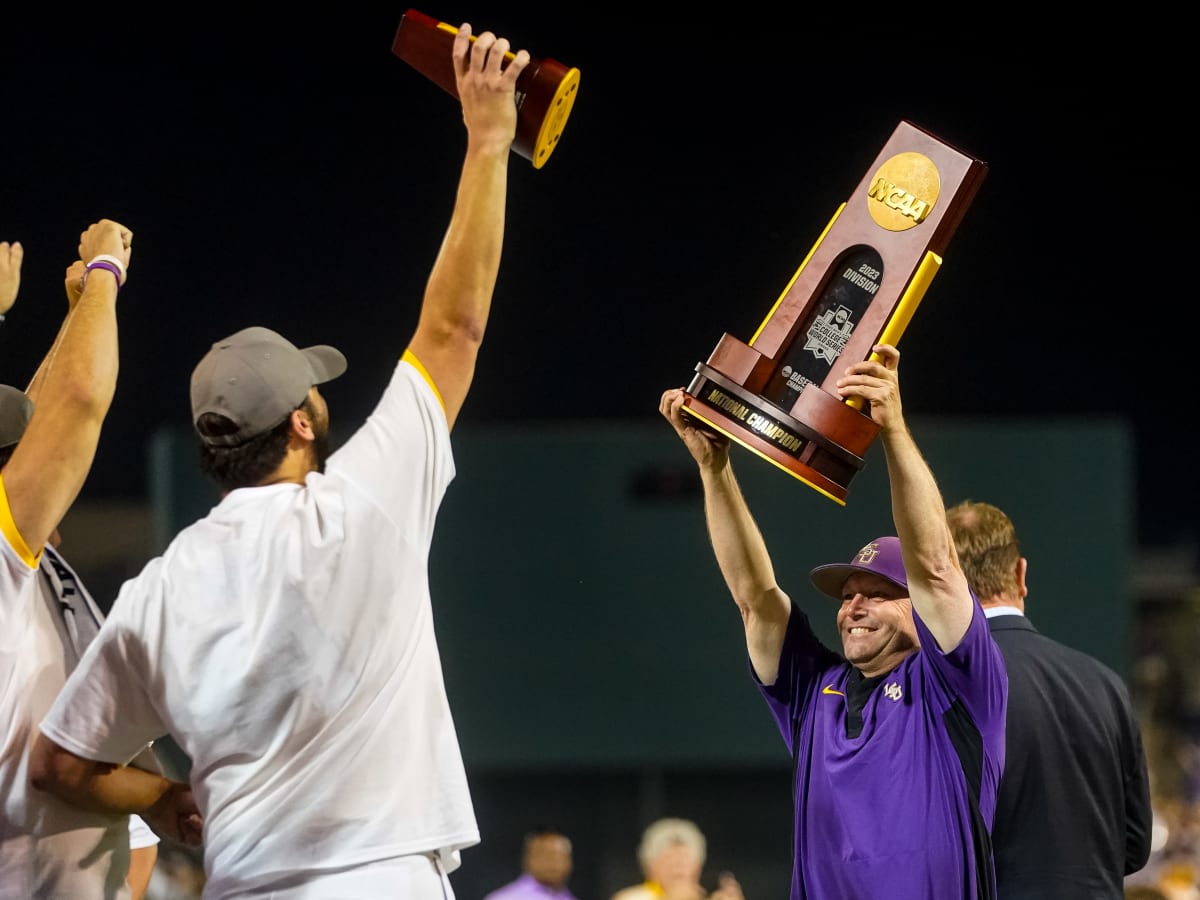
(48, 848)
(141, 835)
(286, 642)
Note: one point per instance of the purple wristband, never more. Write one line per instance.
(101, 264)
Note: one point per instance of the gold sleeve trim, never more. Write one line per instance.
(9, 529)
(409, 358)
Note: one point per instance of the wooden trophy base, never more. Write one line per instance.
(799, 446)
(546, 89)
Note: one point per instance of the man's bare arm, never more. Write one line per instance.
(936, 583)
(74, 389)
(167, 806)
(737, 543)
(458, 294)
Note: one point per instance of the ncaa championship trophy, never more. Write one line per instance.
(546, 89)
(858, 287)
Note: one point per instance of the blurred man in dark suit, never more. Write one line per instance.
(1073, 817)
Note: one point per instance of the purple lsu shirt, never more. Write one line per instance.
(891, 813)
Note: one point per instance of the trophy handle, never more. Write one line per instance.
(905, 308)
(546, 89)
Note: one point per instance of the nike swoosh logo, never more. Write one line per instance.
(829, 690)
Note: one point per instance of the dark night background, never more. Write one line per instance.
(286, 169)
(293, 172)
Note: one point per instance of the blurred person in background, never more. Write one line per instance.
(1179, 881)
(1073, 816)
(546, 864)
(672, 855)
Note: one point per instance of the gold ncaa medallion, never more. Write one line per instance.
(903, 191)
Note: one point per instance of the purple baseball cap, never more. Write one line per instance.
(879, 557)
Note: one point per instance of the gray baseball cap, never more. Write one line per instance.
(255, 378)
(16, 410)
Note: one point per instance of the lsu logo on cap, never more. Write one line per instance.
(867, 554)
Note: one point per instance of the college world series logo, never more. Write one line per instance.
(828, 334)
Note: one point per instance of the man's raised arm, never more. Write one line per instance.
(458, 295)
(937, 585)
(74, 388)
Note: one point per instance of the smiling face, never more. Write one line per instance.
(876, 624)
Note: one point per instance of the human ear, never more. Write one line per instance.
(301, 425)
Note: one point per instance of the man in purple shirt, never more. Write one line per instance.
(898, 741)
(546, 865)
